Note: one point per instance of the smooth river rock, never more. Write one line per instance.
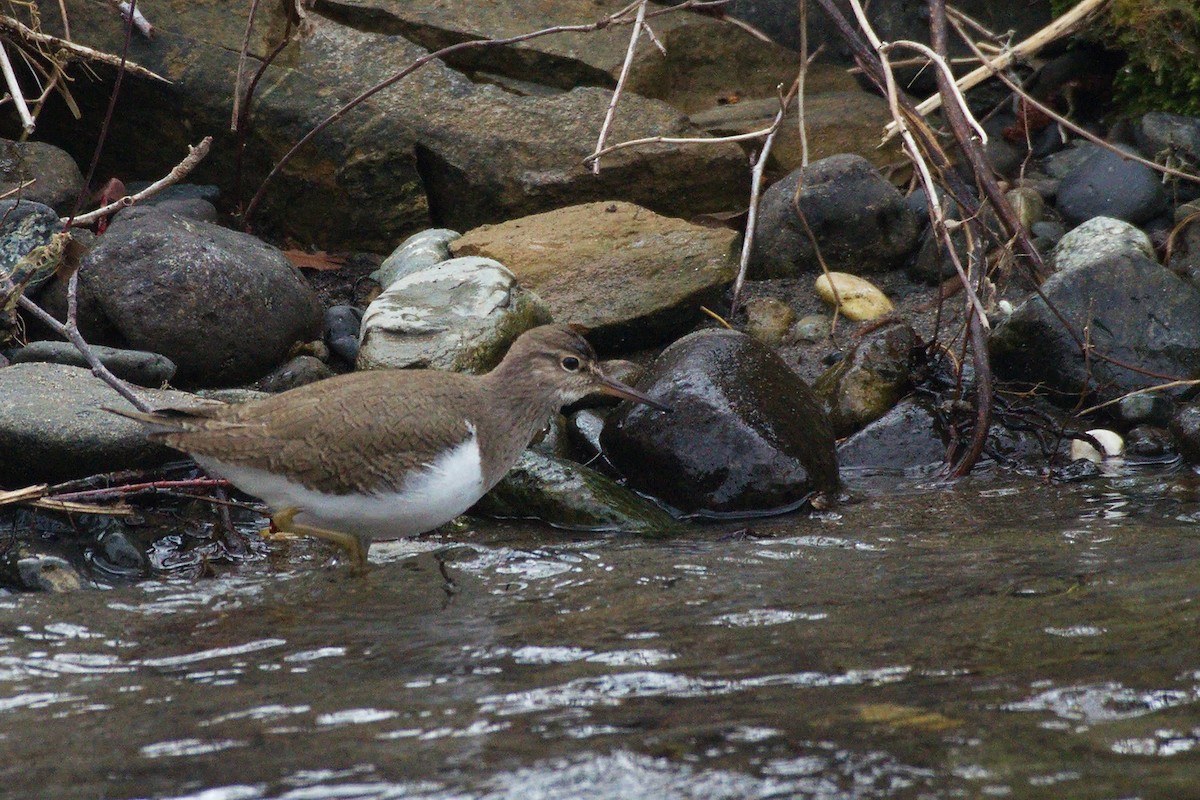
(459, 315)
(225, 307)
(746, 434)
(859, 220)
(630, 277)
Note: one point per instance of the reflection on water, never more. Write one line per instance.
(996, 640)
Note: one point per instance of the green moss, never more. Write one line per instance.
(1162, 41)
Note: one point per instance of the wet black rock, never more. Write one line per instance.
(1147, 443)
(1134, 311)
(1107, 185)
(746, 433)
(872, 378)
(342, 324)
(569, 495)
(1185, 428)
(135, 366)
(909, 437)
(225, 307)
(1151, 408)
(859, 220)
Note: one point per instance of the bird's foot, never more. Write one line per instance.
(283, 525)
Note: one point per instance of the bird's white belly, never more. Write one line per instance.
(442, 490)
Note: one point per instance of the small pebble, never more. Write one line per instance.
(860, 299)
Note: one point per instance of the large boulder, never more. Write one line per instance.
(223, 306)
(438, 146)
(859, 221)
(746, 435)
(631, 277)
(1140, 321)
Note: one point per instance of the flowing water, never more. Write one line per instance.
(1002, 638)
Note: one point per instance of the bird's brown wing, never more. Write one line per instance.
(356, 432)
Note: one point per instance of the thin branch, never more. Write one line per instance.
(610, 114)
(14, 27)
(1058, 28)
(241, 68)
(178, 172)
(1066, 123)
(14, 91)
(739, 137)
(756, 178)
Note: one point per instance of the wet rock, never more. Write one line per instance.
(57, 179)
(568, 495)
(299, 371)
(746, 434)
(769, 320)
(426, 150)
(135, 366)
(1136, 312)
(1185, 255)
(1028, 204)
(846, 120)
(460, 315)
(858, 299)
(1151, 408)
(40, 572)
(120, 552)
(1170, 138)
(53, 427)
(812, 328)
(859, 220)
(1050, 232)
(1099, 239)
(908, 437)
(25, 225)
(223, 306)
(1148, 443)
(631, 277)
(1107, 185)
(872, 378)
(194, 208)
(342, 324)
(1185, 428)
(552, 440)
(414, 254)
(1061, 164)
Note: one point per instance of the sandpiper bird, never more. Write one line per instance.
(388, 453)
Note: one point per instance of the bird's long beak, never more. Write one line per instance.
(618, 389)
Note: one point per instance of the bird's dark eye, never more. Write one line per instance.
(570, 363)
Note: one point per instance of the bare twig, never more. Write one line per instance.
(739, 137)
(14, 91)
(639, 23)
(1066, 123)
(15, 28)
(612, 19)
(241, 68)
(756, 178)
(130, 11)
(178, 172)
(1060, 27)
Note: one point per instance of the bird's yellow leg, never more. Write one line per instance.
(284, 522)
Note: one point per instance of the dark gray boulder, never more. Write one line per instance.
(1141, 321)
(746, 435)
(859, 220)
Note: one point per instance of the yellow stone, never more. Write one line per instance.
(860, 299)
